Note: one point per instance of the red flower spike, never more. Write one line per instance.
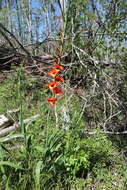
(52, 84)
(53, 72)
(57, 66)
(57, 91)
(52, 101)
(58, 78)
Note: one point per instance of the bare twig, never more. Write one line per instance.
(110, 119)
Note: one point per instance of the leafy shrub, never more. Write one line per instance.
(68, 156)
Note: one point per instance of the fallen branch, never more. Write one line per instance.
(33, 118)
(9, 129)
(17, 125)
(4, 121)
(13, 37)
(106, 132)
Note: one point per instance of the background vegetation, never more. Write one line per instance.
(81, 142)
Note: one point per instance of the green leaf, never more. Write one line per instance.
(11, 164)
(37, 172)
(7, 184)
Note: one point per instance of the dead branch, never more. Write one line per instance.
(106, 132)
(13, 36)
(9, 129)
(4, 121)
(6, 38)
(17, 125)
(30, 119)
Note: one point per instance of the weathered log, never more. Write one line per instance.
(9, 129)
(4, 122)
(5, 119)
(17, 125)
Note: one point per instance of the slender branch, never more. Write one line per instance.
(6, 38)
(106, 132)
(13, 36)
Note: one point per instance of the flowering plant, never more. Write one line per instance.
(53, 84)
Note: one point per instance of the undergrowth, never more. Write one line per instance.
(50, 156)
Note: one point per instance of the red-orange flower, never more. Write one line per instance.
(52, 101)
(53, 84)
(57, 66)
(53, 72)
(57, 91)
(58, 78)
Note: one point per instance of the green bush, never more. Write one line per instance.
(68, 156)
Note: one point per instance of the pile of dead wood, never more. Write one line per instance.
(8, 57)
(12, 52)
